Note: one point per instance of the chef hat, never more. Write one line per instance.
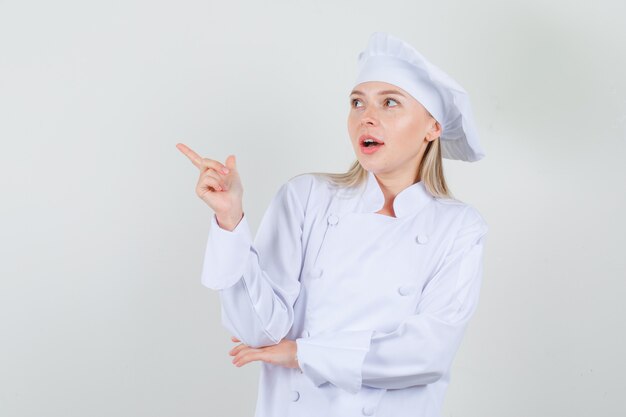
(392, 60)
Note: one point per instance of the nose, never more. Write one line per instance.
(368, 117)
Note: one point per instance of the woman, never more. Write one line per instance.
(356, 292)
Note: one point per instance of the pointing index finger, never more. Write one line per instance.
(193, 157)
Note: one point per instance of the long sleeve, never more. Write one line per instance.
(258, 282)
(421, 349)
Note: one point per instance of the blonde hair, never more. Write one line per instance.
(430, 172)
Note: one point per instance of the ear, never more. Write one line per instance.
(434, 132)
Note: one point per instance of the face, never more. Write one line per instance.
(393, 117)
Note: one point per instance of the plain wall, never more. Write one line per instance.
(102, 236)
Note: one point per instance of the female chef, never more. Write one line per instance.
(357, 289)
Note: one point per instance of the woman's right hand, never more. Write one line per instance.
(222, 191)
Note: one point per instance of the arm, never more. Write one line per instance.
(422, 348)
(258, 282)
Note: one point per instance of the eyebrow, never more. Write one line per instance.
(380, 93)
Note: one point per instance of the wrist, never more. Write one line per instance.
(229, 222)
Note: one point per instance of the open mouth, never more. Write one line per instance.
(370, 141)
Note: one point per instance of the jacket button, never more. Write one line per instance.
(421, 238)
(295, 395)
(406, 289)
(333, 219)
(368, 411)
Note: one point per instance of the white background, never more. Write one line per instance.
(102, 236)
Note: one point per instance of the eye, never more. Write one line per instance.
(353, 101)
(391, 99)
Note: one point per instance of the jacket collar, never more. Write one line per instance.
(408, 201)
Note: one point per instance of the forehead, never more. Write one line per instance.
(377, 87)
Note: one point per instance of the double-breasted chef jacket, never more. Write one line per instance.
(377, 305)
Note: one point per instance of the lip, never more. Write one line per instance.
(367, 136)
(369, 150)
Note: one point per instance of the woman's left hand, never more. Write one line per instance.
(281, 354)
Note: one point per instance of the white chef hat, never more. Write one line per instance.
(389, 59)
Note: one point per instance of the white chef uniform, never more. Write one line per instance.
(378, 305)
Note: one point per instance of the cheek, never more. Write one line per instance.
(405, 131)
(352, 126)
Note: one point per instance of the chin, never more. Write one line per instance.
(368, 167)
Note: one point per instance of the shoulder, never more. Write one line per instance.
(467, 217)
(302, 182)
(302, 189)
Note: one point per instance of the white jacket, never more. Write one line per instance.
(378, 305)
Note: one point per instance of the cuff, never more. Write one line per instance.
(335, 357)
(226, 254)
